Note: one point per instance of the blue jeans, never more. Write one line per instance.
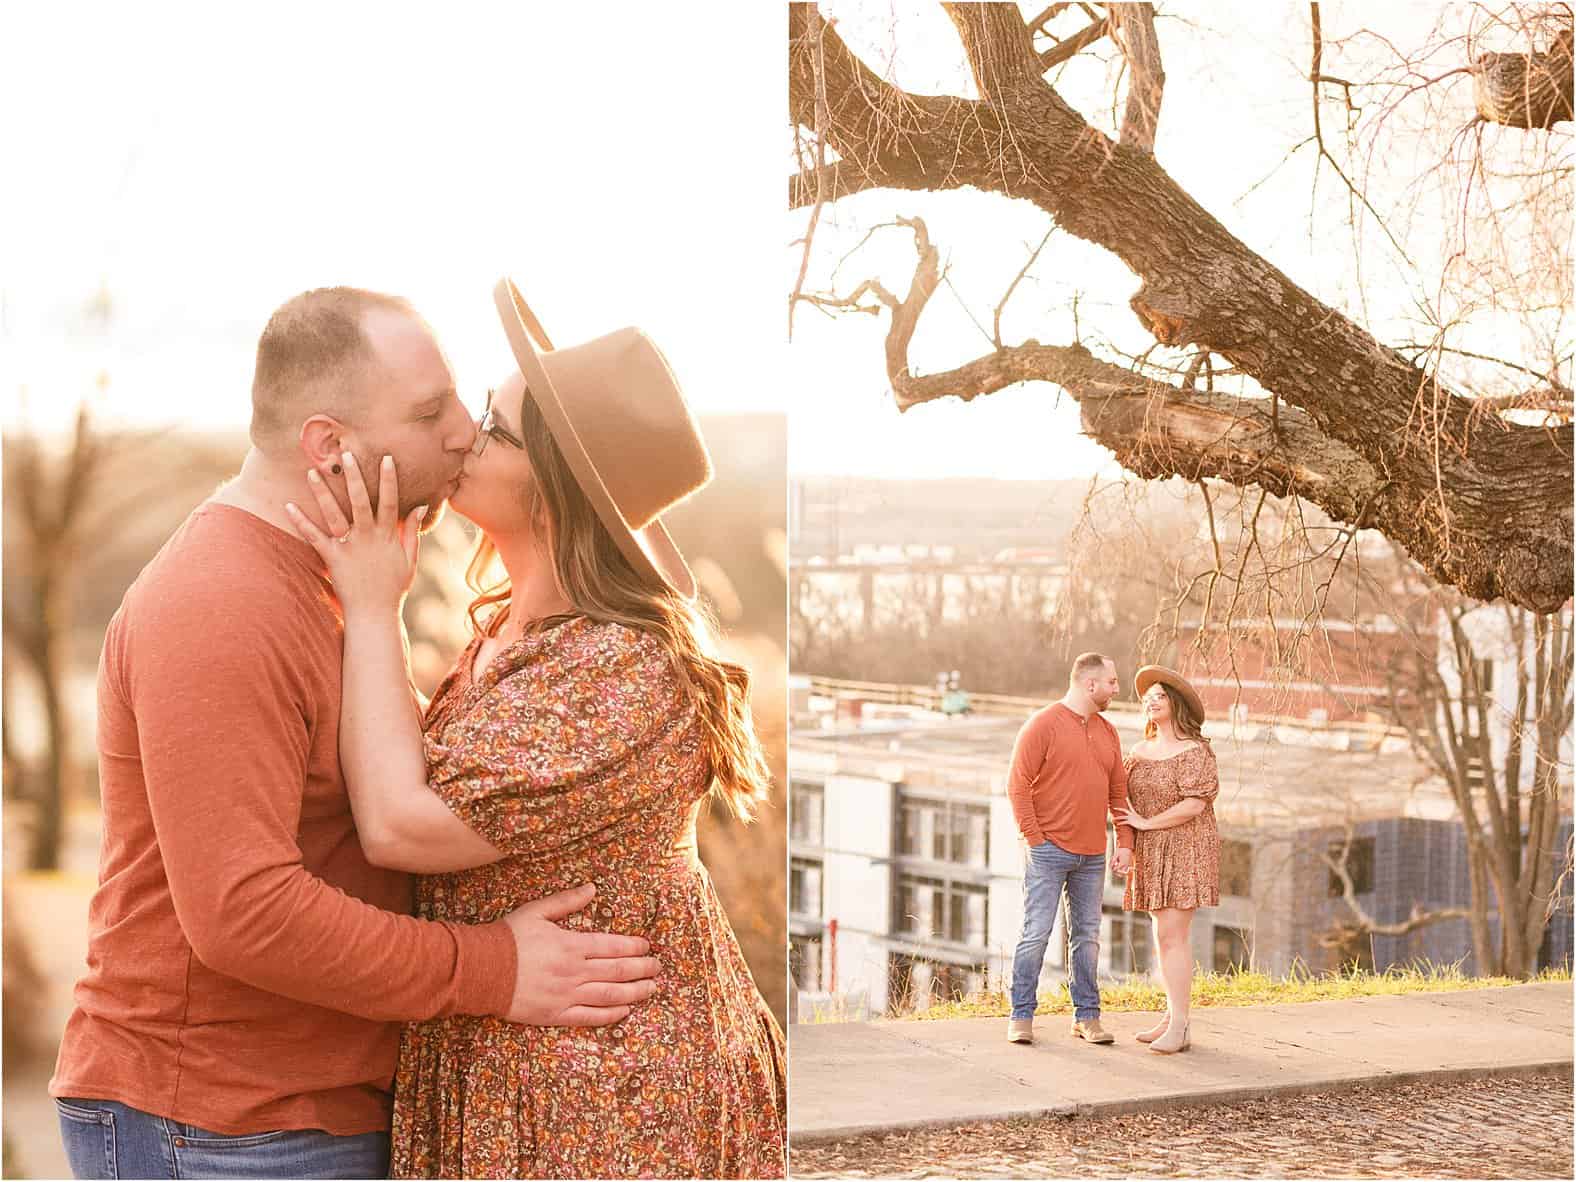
(1050, 870)
(107, 1139)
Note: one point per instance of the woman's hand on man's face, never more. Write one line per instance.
(371, 558)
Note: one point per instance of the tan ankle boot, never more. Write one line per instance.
(1173, 1040)
(1092, 1031)
(1156, 1031)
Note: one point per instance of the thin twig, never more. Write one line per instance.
(1011, 287)
(823, 121)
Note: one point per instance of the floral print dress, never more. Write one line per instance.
(578, 754)
(1180, 866)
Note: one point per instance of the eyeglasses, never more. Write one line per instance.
(489, 427)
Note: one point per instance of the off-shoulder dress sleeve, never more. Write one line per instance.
(1199, 775)
(574, 737)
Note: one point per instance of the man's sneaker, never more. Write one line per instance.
(1020, 1030)
(1091, 1031)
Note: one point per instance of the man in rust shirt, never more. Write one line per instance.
(248, 968)
(1066, 776)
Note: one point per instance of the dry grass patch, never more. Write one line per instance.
(1243, 988)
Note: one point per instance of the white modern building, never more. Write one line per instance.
(906, 864)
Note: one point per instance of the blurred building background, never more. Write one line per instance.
(906, 865)
(1360, 713)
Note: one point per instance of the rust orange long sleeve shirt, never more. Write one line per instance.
(247, 967)
(1066, 777)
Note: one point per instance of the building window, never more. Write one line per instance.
(1128, 946)
(1231, 949)
(804, 888)
(1359, 864)
(1236, 868)
(938, 909)
(804, 962)
(917, 983)
(806, 812)
(943, 831)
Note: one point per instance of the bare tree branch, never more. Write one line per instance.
(1013, 286)
(1488, 504)
(1316, 76)
(1066, 49)
(817, 30)
(1154, 429)
(1344, 934)
(1133, 30)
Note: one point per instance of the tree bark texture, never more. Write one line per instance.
(1133, 29)
(1376, 441)
(1529, 90)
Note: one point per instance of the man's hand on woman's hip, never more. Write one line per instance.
(575, 978)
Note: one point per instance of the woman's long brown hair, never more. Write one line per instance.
(602, 584)
(1186, 721)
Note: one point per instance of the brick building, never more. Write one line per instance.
(1336, 674)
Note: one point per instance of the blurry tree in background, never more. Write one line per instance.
(48, 511)
(994, 639)
(1147, 564)
(80, 514)
(1500, 744)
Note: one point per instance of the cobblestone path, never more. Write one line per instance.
(1506, 1127)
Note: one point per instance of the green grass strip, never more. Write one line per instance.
(1242, 987)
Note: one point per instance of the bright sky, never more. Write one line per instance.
(202, 163)
(1237, 100)
(623, 161)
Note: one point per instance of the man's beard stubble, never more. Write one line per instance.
(432, 492)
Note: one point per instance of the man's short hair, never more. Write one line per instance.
(311, 359)
(1087, 665)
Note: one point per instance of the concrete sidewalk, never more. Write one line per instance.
(849, 1079)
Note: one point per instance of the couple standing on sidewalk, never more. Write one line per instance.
(1068, 772)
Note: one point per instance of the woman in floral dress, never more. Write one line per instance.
(574, 742)
(1171, 784)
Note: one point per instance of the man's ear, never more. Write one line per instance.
(322, 443)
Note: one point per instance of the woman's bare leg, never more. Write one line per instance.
(1159, 1028)
(1172, 925)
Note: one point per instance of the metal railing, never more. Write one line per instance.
(929, 698)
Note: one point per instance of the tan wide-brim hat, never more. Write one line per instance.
(1149, 674)
(620, 419)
